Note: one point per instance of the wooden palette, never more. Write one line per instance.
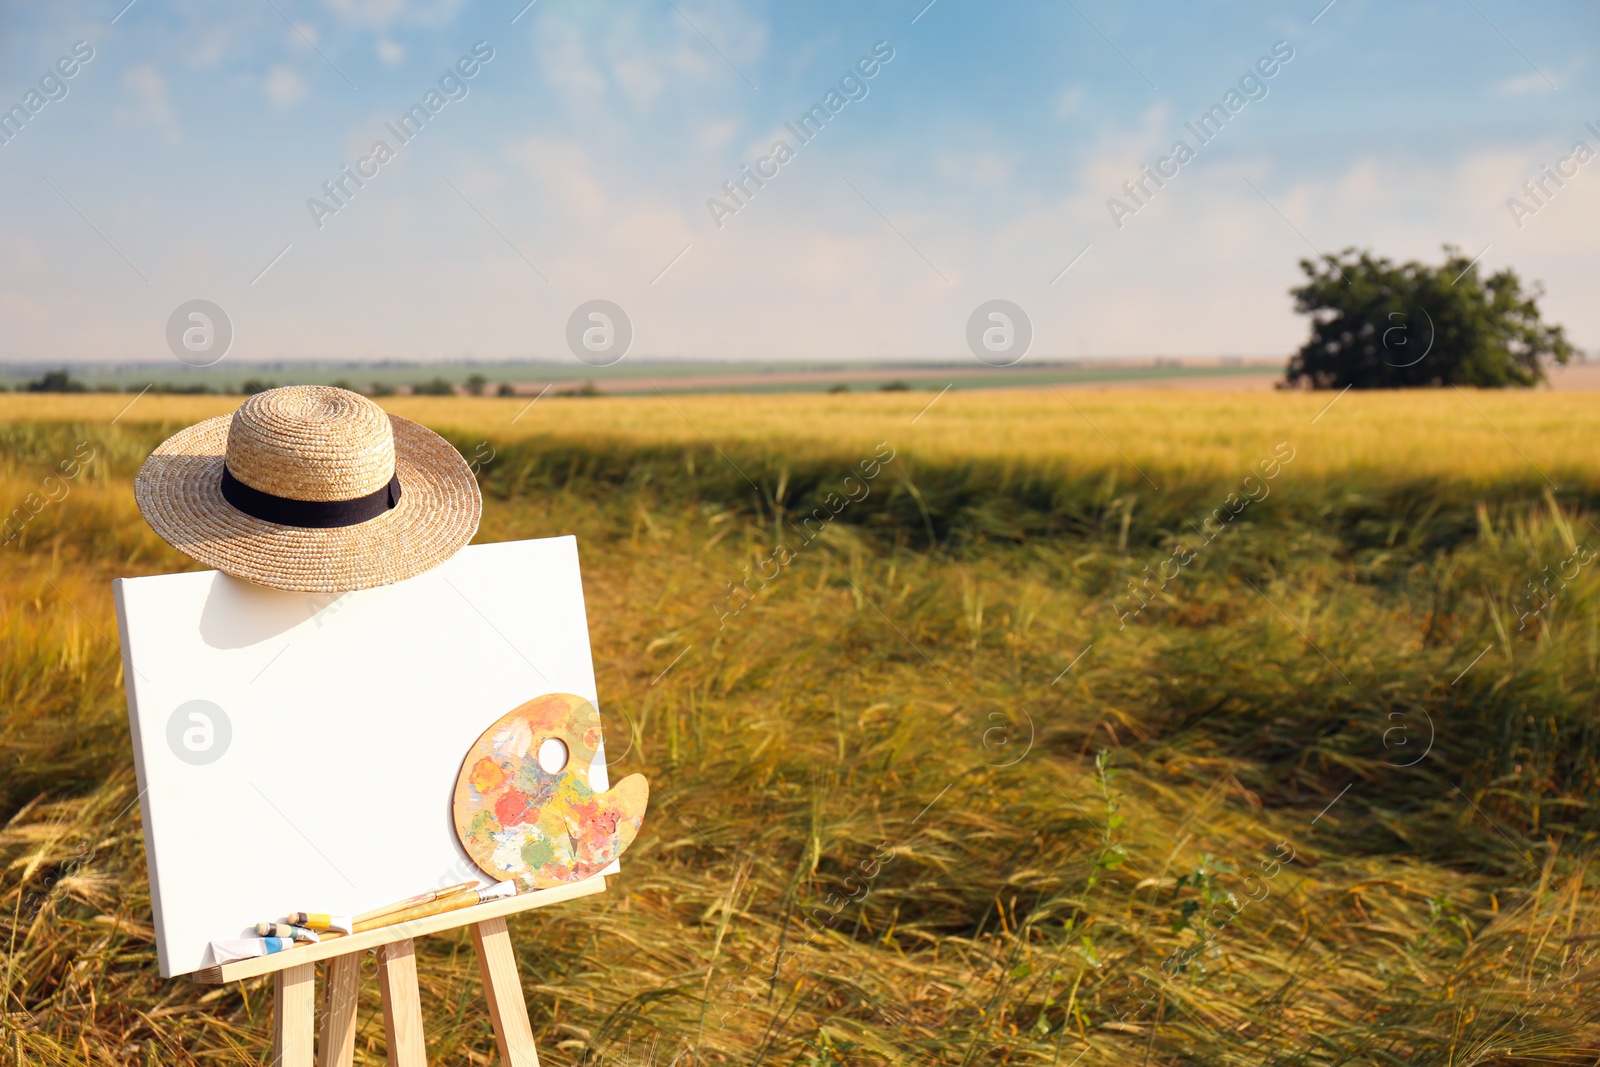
(537, 827)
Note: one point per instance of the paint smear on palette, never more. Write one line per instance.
(539, 828)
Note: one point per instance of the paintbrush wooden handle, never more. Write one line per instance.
(411, 902)
(464, 898)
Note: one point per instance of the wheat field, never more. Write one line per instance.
(1450, 434)
(1089, 728)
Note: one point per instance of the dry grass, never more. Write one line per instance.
(884, 697)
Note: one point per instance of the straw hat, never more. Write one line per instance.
(311, 488)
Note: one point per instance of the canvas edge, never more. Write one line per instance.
(615, 866)
(147, 824)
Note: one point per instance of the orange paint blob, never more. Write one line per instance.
(512, 808)
(487, 776)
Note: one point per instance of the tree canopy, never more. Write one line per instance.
(1378, 325)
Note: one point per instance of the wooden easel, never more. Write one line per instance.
(294, 1004)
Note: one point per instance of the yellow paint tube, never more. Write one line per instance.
(313, 920)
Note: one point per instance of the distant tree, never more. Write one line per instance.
(252, 386)
(840, 388)
(895, 387)
(437, 387)
(381, 389)
(343, 383)
(507, 389)
(1378, 325)
(56, 381)
(475, 384)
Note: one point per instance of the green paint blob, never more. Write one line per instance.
(537, 853)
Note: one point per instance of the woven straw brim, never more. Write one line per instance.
(179, 493)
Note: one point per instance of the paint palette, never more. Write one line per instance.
(524, 807)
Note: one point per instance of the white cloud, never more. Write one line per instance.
(713, 134)
(1523, 84)
(284, 86)
(20, 258)
(641, 57)
(147, 89)
(567, 66)
(382, 14)
(981, 170)
(390, 52)
(563, 169)
(212, 47)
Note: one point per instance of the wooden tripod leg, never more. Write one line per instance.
(497, 963)
(294, 1016)
(402, 1006)
(341, 988)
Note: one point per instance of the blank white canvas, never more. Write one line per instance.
(350, 715)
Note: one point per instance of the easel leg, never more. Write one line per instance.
(341, 988)
(497, 963)
(294, 1016)
(402, 1007)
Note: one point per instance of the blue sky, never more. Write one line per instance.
(580, 160)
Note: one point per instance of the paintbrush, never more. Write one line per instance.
(451, 901)
(410, 902)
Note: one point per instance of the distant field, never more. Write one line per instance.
(1098, 729)
(680, 376)
(1467, 436)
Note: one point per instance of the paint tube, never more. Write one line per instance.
(247, 948)
(318, 921)
(293, 933)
